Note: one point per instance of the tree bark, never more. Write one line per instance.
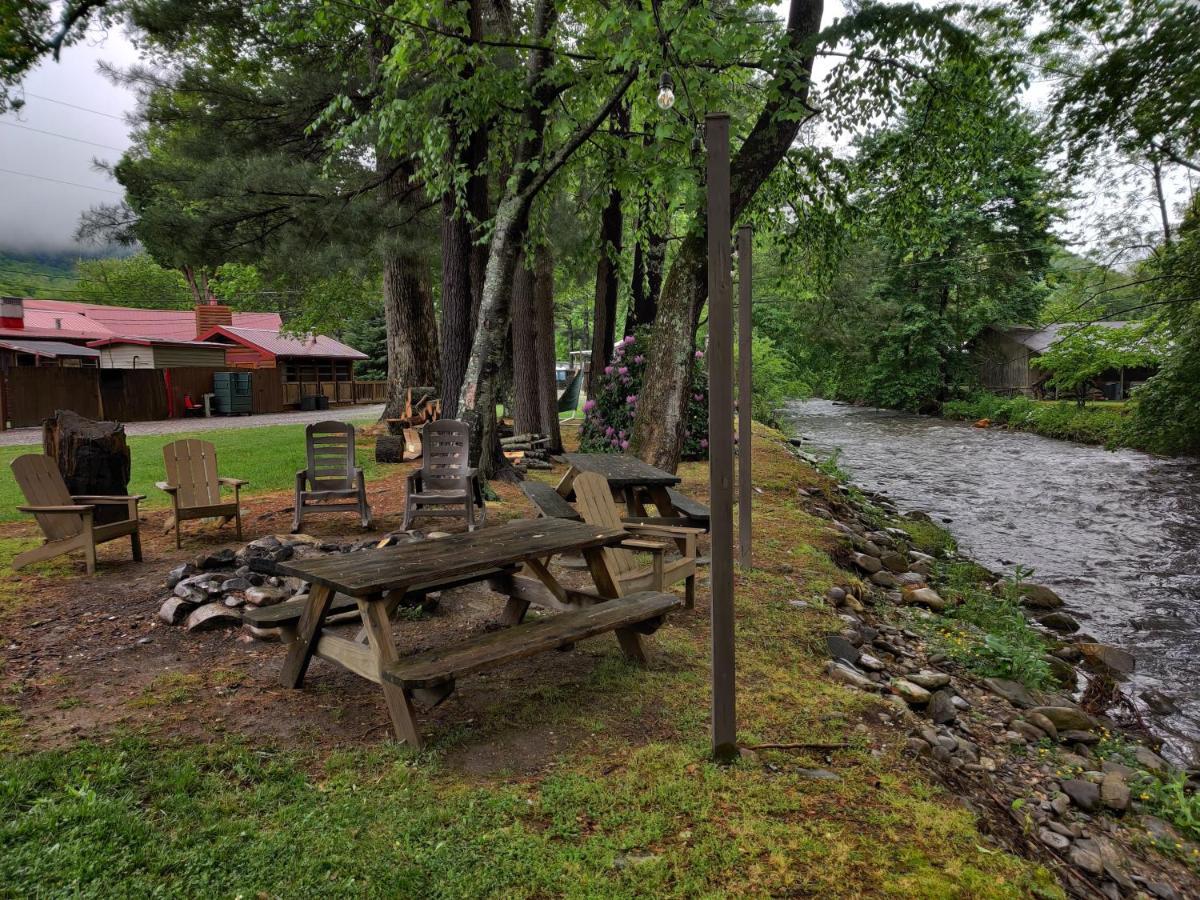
(543, 305)
(604, 310)
(527, 410)
(647, 280)
(658, 428)
(93, 458)
(411, 328)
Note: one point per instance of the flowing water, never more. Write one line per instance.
(1116, 534)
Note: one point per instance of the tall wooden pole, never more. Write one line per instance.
(720, 436)
(745, 391)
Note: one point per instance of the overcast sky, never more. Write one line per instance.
(37, 214)
(81, 109)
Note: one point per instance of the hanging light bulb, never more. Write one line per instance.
(666, 91)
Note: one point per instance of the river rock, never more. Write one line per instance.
(213, 615)
(1059, 621)
(1066, 718)
(1037, 719)
(1148, 759)
(217, 559)
(870, 663)
(1053, 840)
(1112, 658)
(180, 572)
(1083, 794)
(928, 679)
(1031, 733)
(1087, 857)
(894, 562)
(884, 579)
(1012, 691)
(868, 564)
(1159, 702)
(926, 597)
(1074, 736)
(1114, 792)
(235, 584)
(844, 674)
(840, 648)
(175, 609)
(835, 595)
(941, 707)
(913, 694)
(1038, 596)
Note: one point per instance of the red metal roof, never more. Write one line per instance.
(276, 344)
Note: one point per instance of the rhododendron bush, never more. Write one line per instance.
(608, 417)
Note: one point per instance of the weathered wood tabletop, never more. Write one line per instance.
(378, 579)
(622, 471)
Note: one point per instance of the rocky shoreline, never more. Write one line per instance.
(1050, 769)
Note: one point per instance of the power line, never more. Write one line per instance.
(65, 137)
(74, 106)
(89, 187)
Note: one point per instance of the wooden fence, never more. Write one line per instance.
(31, 394)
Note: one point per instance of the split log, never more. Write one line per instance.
(92, 456)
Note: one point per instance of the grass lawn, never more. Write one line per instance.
(630, 806)
(268, 457)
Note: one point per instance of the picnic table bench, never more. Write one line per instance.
(637, 482)
(549, 502)
(376, 581)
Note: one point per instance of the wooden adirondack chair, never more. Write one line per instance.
(66, 521)
(445, 485)
(594, 500)
(332, 474)
(195, 487)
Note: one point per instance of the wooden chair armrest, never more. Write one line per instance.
(166, 486)
(101, 499)
(77, 509)
(671, 530)
(232, 482)
(641, 544)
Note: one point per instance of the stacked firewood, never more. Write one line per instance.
(527, 451)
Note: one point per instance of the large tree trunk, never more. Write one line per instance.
(604, 311)
(527, 410)
(658, 428)
(543, 306)
(412, 348)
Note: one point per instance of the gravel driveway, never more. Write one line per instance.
(23, 436)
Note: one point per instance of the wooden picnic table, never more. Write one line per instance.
(629, 478)
(377, 580)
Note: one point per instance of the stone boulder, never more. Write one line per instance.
(1038, 596)
(211, 616)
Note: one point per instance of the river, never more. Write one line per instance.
(1116, 534)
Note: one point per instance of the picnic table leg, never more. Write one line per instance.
(629, 640)
(567, 483)
(662, 501)
(379, 634)
(308, 632)
(633, 502)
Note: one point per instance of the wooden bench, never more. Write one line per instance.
(549, 502)
(640, 613)
(693, 510)
(285, 615)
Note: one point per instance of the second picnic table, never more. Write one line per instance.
(378, 580)
(628, 477)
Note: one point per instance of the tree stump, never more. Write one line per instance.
(389, 449)
(92, 456)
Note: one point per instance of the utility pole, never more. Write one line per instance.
(720, 437)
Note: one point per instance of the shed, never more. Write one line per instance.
(155, 353)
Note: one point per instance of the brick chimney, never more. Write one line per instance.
(210, 315)
(12, 312)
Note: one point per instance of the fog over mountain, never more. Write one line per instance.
(72, 116)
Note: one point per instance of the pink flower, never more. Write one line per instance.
(699, 354)
(614, 443)
(639, 359)
(631, 399)
(624, 445)
(609, 431)
(704, 443)
(624, 370)
(589, 405)
(629, 339)
(608, 370)
(697, 397)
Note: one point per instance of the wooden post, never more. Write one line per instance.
(745, 390)
(720, 437)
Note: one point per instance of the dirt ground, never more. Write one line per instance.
(85, 657)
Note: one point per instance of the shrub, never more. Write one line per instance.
(608, 416)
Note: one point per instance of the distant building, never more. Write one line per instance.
(1004, 355)
(186, 346)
